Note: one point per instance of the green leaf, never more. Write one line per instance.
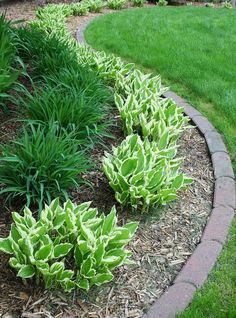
(59, 220)
(109, 260)
(42, 267)
(123, 184)
(187, 181)
(102, 278)
(129, 166)
(109, 222)
(65, 275)
(14, 234)
(69, 285)
(83, 283)
(131, 227)
(83, 246)
(99, 253)
(27, 271)
(13, 262)
(86, 266)
(178, 182)
(44, 252)
(5, 246)
(56, 268)
(62, 249)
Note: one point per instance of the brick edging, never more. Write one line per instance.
(195, 271)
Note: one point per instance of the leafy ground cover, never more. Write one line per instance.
(194, 49)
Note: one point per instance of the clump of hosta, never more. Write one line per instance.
(162, 3)
(143, 173)
(138, 83)
(152, 117)
(79, 8)
(70, 246)
(95, 5)
(58, 10)
(138, 3)
(108, 67)
(116, 4)
(227, 5)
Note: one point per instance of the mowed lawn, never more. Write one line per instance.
(193, 48)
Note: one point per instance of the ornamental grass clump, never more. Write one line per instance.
(41, 165)
(70, 246)
(8, 75)
(144, 174)
(74, 99)
(47, 54)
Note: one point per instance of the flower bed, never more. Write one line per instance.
(149, 177)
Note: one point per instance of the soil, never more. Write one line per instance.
(165, 238)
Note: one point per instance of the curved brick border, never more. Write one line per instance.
(195, 271)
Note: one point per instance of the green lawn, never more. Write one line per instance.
(194, 50)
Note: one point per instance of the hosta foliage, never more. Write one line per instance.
(150, 116)
(70, 246)
(95, 5)
(116, 4)
(138, 3)
(144, 173)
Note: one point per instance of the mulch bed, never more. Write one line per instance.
(165, 238)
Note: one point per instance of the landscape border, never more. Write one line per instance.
(195, 271)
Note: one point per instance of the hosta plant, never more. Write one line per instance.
(79, 9)
(227, 5)
(138, 3)
(95, 5)
(136, 82)
(59, 10)
(70, 246)
(151, 116)
(143, 173)
(116, 4)
(162, 3)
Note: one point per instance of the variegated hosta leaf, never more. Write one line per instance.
(44, 248)
(144, 173)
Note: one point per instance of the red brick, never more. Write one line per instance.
(222, 165)
(200, 263)
(224, 193)
(214, 142)
(175, 299)
(218, 225)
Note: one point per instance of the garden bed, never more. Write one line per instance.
(164, 241)
(161, 246)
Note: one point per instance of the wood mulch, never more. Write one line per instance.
(164, 241)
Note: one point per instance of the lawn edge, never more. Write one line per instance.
(197, 268)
